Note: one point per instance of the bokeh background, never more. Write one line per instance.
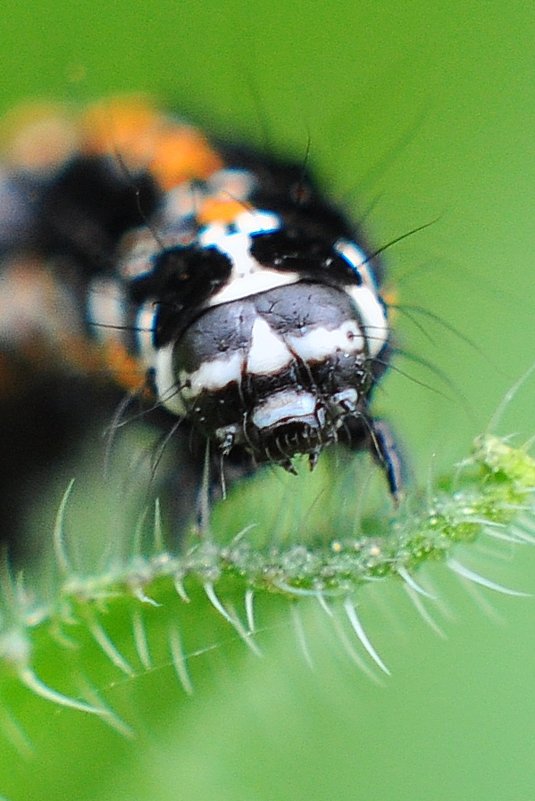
(415, 113)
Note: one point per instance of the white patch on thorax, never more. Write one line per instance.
(255, 221)
(106, 308)
(165, 380)
(357, 259)
(267, 351)
(248, 276)
(145, 321)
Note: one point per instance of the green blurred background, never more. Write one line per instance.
(415, 112)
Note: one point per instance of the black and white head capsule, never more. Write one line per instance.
(264, 337)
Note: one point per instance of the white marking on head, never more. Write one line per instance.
(267, 351)
(319, 343)
(284, 405)
(213, 375)
(373, 316)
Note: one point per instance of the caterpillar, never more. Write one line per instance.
(215, 284)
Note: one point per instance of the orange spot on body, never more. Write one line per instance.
(125, 126)
(182, 154)
(122, 366)
(390, 297)
(220, 210)
(145, 139)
